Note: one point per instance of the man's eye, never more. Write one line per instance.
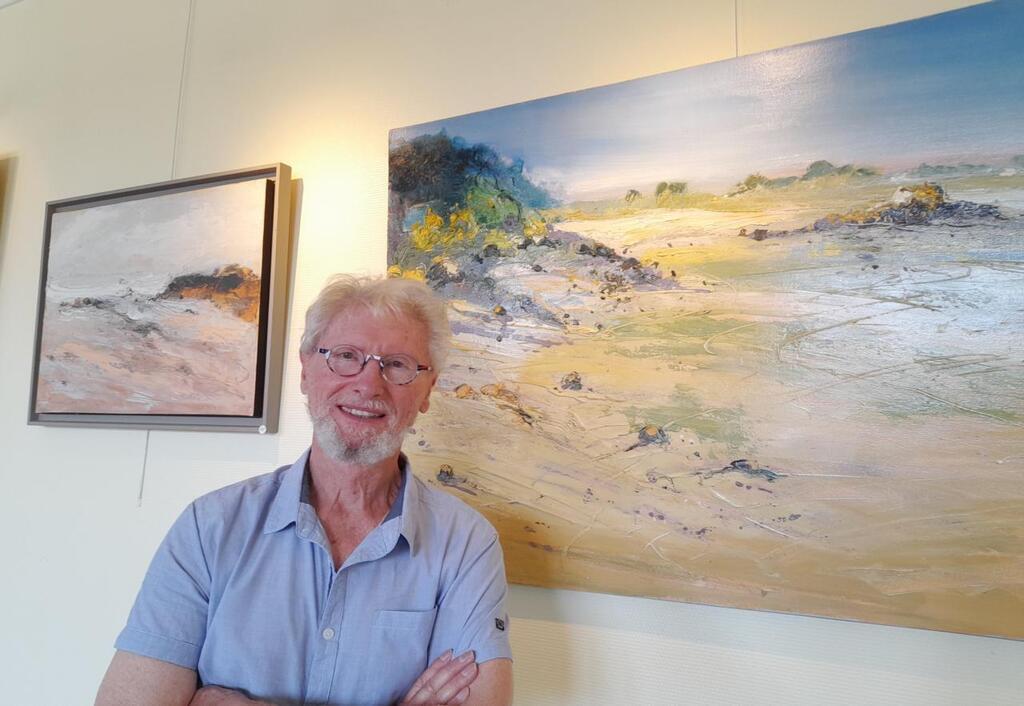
(397, 363)
(346, 355)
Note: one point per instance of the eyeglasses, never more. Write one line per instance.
(347, 361)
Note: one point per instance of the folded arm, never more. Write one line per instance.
(493, 684)
(134, 680)
(459, 681)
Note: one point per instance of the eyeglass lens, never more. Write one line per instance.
(349, 360)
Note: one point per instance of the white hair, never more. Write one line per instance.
(380, 296)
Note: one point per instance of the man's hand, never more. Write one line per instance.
(444, 683)
(219, 696)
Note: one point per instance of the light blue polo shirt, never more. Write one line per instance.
(243, 590)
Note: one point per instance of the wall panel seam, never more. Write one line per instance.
(736, 28)
(185, 53)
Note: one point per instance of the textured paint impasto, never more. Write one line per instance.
(747, 334)
(152, 305)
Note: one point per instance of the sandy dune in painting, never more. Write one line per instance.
(827, 422)
(173, 356)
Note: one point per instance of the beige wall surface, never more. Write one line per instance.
(114, 93)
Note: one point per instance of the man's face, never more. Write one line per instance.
(362, 419)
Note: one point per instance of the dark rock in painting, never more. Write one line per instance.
(232, 287)
(747, 468)
(572, 381)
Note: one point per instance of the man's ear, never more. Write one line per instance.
(302, 377)
(426, 400)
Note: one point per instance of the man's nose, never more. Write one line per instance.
(371, 377)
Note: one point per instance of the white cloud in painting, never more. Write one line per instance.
(145, 243)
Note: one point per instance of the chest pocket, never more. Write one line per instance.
(399, 640)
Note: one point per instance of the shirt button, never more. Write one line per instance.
(328, 633)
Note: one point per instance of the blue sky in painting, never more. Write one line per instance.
(943, 89)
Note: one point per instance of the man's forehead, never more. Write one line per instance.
(360, 314)
(384, 324)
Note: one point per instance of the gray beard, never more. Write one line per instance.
(371, 451)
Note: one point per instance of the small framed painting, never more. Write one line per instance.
(164, 306)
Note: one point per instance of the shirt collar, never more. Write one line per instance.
(284, 508)
(292, 490)
(410, 508)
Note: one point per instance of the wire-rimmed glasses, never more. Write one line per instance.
(346, 361)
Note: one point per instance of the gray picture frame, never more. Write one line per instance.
(271, 319)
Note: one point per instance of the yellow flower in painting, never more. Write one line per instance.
(417, 273)
(462, 226)
(499, 239)
(433, 231)
(427, 235)
(535, 228)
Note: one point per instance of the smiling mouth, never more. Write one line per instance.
(360, 413)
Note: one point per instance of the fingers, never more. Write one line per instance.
(458, 681)
(428, 674)
(443, 682)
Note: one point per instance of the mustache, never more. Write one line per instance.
(378, 406)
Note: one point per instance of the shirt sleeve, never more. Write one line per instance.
(168, 620)
(471, 613)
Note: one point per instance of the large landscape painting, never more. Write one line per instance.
(747, 334)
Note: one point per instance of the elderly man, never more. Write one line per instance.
(340, 578)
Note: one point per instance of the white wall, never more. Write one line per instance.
(111, 93)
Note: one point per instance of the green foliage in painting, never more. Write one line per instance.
(493, 207)
(823, 168)
(753, 181)
(669, 194)
(817, 170)
(445, 173)
(461, 190)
